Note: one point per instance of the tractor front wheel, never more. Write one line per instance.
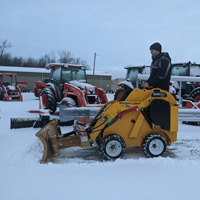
(48, 99)
(67, 101)
(154, 145)
(112, 147)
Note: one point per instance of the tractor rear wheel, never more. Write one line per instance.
(195, 94)
(48, 99)
(112, 147)
(118, 94)
(67, 101)
(154, 145)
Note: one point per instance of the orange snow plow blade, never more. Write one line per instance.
(53, 140)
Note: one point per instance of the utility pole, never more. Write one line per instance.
(94, 68)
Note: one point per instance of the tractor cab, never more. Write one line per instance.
(9, 90)
(130, 82)
(65, 73)
(133, 71)
(8, 79)
(186, 69)
(68, 87)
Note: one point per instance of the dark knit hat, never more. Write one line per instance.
(157, 46)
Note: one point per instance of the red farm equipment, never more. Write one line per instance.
(68, 86)
(9, 90)
(190, 90)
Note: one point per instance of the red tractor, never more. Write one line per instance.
(189, 90)
(68, 86)
(9, 90)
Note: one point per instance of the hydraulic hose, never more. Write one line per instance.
(94, 128)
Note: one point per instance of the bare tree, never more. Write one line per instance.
(6, 59)
(17, 61)
(4, 44)
(52, 56)
(47, 58)
(30, 62)
(84, 62)
(76, 61)
(65, 56)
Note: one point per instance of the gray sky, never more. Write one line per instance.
(119, 31)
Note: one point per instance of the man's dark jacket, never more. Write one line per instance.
(160, 71)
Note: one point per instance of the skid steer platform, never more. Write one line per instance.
(141, 118)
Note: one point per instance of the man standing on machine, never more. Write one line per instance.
(160, 68)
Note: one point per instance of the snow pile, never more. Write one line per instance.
(82, 174)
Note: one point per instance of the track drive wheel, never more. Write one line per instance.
(48, 99)
(112, 147)
(67, 101)
(154, 145)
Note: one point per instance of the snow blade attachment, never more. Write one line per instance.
(35, 122)
(28, 122)
(53, 140)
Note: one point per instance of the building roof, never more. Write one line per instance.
(45, 71)
(24, 69)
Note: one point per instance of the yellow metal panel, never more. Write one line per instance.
(139, 95)
(122, 127)
(137, 126)
(173, 137)
(174, 119)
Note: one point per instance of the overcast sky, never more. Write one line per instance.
(119, 31)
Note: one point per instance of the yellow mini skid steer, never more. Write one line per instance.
(146, 118)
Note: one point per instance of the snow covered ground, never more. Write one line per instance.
(82, 174)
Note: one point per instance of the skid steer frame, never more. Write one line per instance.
(132, 121)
